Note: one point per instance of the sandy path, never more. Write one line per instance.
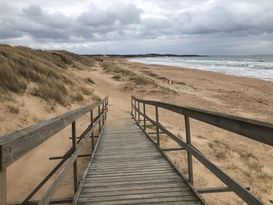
(119, 101)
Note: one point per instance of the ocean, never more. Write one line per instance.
(258, 66)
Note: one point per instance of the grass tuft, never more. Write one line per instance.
(13, 109)
(90, 81)
(77, 97)
(52, 90)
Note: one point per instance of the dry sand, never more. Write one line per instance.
(247, 161)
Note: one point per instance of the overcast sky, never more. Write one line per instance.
(140, 26)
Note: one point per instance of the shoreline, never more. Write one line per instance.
(243, 96)
(200, 69)
(196, 69)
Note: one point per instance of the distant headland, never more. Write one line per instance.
(144, 55)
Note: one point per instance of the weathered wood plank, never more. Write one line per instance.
(134, 187)
(129, 173)
(158, 195)
(141, 190)
(141, 200)
(152, 161)
(120, 183)
(128, 166)
(129, 157)
(137, 176)
(128, 151)
(136, 170)
(139, 163)
(171, 201)
(129, 181)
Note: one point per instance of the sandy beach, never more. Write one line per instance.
(247, 161)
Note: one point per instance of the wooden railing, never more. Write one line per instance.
(13, 146)
(255, 130)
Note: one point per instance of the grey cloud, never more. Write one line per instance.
(228, 18)
(124, 14)
(208, 17)
(9, 34)
(155, 20)
(94, 24)
(156, 23)
(95, 17)
(108, 23)
(33, 21)
(33, 11)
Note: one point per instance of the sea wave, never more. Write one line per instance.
(256, 67)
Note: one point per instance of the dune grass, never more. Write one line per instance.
(13, 108)
(135, 81)
(48, 73)
(121, 74)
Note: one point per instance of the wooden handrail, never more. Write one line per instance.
(219, 120)
(253, 129)
(14, 145)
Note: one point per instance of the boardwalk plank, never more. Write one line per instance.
(92, 192)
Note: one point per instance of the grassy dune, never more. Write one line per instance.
(134, 81)
(46, 74)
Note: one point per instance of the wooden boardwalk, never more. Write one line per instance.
(126, 167)
(129, 169)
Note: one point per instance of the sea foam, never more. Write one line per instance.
(260, 67)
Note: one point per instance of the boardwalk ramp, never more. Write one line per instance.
(128, 163)
(128, 169)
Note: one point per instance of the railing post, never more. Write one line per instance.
(135, 108)
(99, 119)
(3, 186)
(92, 135)
(103, 110)
(144, 119)
(157, 128)
(188, 141)
(106, 107)
(138, 110)
(131, 105)
(74, 145)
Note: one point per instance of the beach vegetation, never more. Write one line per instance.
(89, 81)
(12, 108)
(45, 74)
